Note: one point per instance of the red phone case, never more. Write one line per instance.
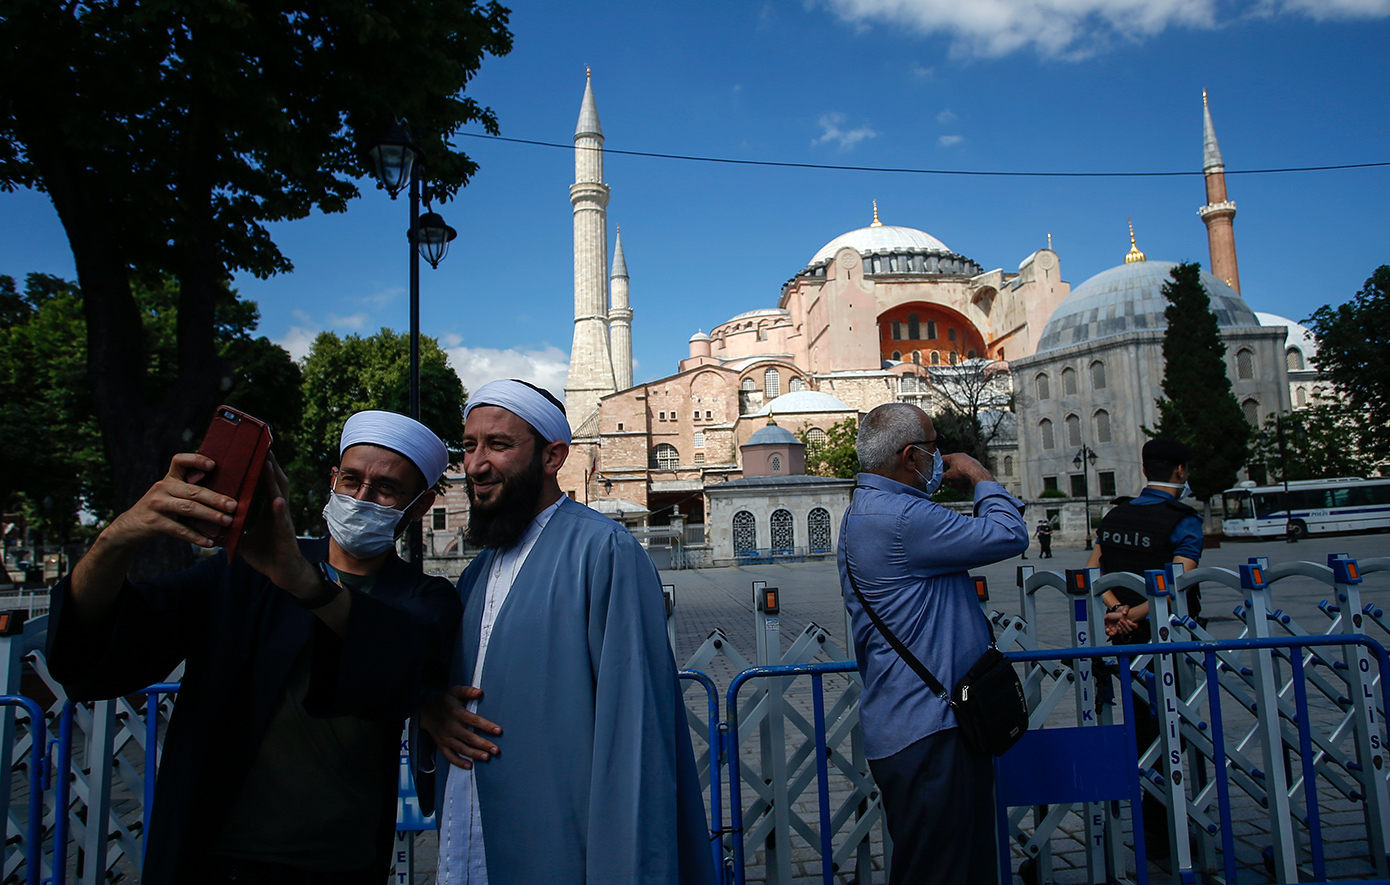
(238, 444)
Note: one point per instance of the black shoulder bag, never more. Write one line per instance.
(990, 707)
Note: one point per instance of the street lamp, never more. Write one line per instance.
(1084, 456)
(399, 161)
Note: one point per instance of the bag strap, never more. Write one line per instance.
(897, 644)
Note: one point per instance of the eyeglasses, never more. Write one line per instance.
(940, 444)
(383, 493)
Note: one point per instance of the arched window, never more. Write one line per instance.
(951, 333)
(931, 330)
(772, 383)
(917, 357)
(1294, 358)
(1102, 426)
(664, 457)
(1097, 375)
(1045, 431)
(1245, 364)
(897, 330)
(796, 384)
(951, 357)
(1073, 430)
(815, 437)
(1044, 388)
(970, 354)
(909, 384)
(745, 532)
(818, 530)
(1252, 411)
(1008, 465)
(774, 463)
(749, 384)
(1302, 396)
(936, 358)
(914, 328)
(783, 534)
(699, 439)
(1068, 382)
(897, 355)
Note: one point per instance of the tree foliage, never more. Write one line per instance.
(170, 135)
(346, 375)
(1354, 354)
(1197, 406)
(836, 455)
(56, 464)
(1319, 442)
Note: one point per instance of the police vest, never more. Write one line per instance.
(1135, 538)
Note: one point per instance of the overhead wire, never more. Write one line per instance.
(910, 171)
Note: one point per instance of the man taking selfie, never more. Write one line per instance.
(302, 660)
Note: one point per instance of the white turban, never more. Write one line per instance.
(527, 403)
(400, 434)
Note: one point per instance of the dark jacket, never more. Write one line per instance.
(240, 635)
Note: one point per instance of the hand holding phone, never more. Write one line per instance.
(238, 444)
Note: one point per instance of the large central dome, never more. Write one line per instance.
(882, 240)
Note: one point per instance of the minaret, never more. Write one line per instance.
(591, 364)
(1219, 212)
(620, 318)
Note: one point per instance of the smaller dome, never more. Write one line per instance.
(1300, 336)
(884, 238)
(800, 401)
(772, 435)
(699, 336)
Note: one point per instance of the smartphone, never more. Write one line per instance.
(238, 444)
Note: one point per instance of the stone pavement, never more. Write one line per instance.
(722, 598)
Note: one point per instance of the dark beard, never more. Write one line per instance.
(502, 523)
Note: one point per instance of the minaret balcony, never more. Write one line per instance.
(1225, 207)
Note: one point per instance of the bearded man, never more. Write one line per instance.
(563, 641)
(302, 660)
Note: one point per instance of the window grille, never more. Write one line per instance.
(818, 529)
(745, 532)
(783, 534)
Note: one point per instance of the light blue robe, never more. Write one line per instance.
(596, 781)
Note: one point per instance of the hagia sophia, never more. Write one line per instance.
(879, 314)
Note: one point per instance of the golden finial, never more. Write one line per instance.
(1134, 253)
(876, 222)
(1204, 99)
(587, 73)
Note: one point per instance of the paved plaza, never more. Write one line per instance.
(722, 599)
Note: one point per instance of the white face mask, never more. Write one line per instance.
(363, 529)
(931, 483)
(1183, 490)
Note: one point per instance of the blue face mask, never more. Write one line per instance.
(931, 483)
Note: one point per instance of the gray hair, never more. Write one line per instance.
(886, 431)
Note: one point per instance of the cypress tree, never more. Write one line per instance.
(1197, 406)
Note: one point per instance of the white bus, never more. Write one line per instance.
(1311, 506)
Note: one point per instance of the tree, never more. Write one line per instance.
(1354, 354)
(1197, 406)
(975, 394)
(346, 375)
(169, 135)
(1319, 442)
(56, 463)
(836, 454)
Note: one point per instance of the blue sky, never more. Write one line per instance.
(1041, 86)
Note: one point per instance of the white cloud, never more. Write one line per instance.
(846, 139)
(923, 71)
(1066, 28)
(356, 321)
(298, 340)
(384, 297)
(946, 117)
(547, 367)
(1329, 9)
(949, 140)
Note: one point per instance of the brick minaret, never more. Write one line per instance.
(591, 363)
(1219, 212)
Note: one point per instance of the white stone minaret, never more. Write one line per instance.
(620, 318)
(591, 363)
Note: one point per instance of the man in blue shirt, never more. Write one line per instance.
(910, 558)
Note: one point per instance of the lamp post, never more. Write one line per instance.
(1086, 456)
(399, 162)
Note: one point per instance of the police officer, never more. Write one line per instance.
(1146, 532)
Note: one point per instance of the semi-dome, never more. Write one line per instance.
(1299, 337)
(772, 435)
(1129, 298)
(802, 401)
